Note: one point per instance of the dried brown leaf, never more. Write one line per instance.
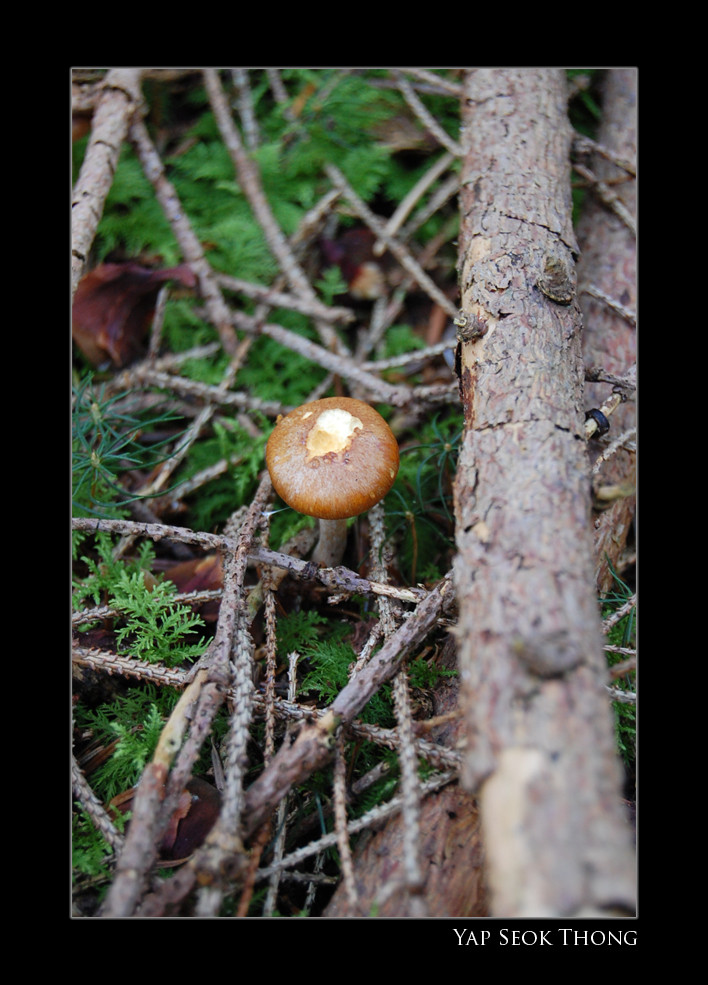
(113, 308)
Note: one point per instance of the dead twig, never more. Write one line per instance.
(184, 234)
(249, 180)
(314, 745)
(426, 118)
(155, 798)
(119, 98)
(403, 256)
(338, 579)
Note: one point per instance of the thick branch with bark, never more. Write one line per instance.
(540, 751)
(607, 274)
(120, 96)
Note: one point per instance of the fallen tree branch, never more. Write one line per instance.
(607, 273)
(119, 97)
(541, 752)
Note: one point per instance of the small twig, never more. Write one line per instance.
(416, 356)
(596, 374)
(437, 83)
(100, 612)
(439, 756)
(394, 247)
(408, 203)
(155, 531)
(140, 848)
(625, 440)
(144, 374)
(94, 808)
(195, 429)
(426, 118)
(279, 299)
(281, 817)
(584, 145)
(335, 579)
(184, 234)
(245, 107)
(627, 666)
(629, 314)
(223, 850)
(608, 407)
(188, 486)
(222, 855)
(343, 366)
(606, 195)
(623, 697)
(185, 443)
(340, 820)
(158, 321)
(276, 84)
(410, 785)
(619, 614)
(374, 817)
(127, 666)
(447, 190)
(249, 180)
(271, 643)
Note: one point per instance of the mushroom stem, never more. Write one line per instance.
(330, 546)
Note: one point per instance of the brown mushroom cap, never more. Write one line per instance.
(332, 458)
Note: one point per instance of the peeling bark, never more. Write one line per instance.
(540, 735)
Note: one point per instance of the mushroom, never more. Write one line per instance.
(332, 459)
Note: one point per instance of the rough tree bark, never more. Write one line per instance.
(540, 752)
